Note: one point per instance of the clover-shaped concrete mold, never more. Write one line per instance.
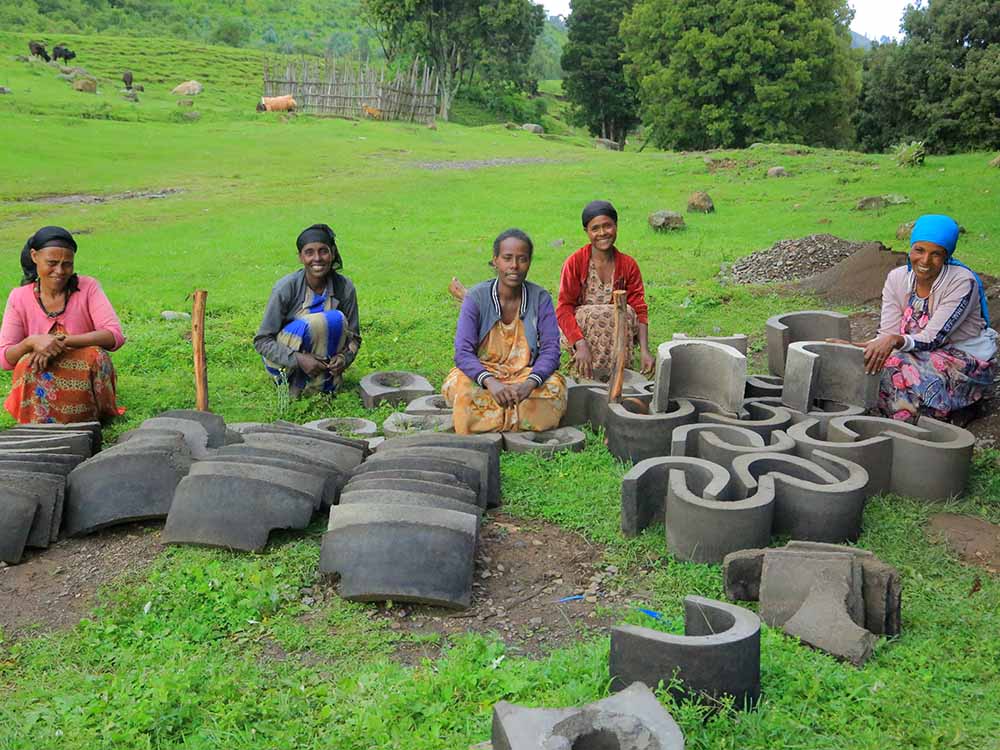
(644, 496)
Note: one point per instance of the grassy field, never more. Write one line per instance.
(173, 657)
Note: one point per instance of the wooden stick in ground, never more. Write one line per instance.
(198, 344)
(619, 300)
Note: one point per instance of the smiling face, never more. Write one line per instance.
(317, 259)
(602, 232)
(927, 260)
(512, 261)
(55, 267)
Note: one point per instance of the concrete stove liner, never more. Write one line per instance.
(804, 325)
(485, 461)
(414, 498)
(397, 464)
(17, 516)
(644, 488)
(548, 443)
(433, 404)
(344, 426)
(722, 443)
(394, 387)
(445, 488)
(401, 424)
(701, 370)
(737, 341)
(48, 491)
(760, 418)
(54, 428)
(815, 370)
(636, 437)
(215, 426)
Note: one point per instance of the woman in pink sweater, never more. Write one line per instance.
(56, 333)
(935, 348)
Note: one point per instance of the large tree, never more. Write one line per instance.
(941, 83)
(459, 36)
(716, 73)
(593, 72)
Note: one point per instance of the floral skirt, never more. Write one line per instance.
(936, 382)
(475, 410)
(77, 386)
(597, 322)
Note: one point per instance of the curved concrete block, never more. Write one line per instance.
(630, 720)
(721, 443)
(330, 481)
(763, 385)
(300, 481)
(737, 341)
(17, 515)
(718, 655)
(327, 436)
(235, 513)
(577, 406)
(345, 426)
(433, 404)
(477, 460)
(546, 443)
(195, 435)
(815, 370)
(705, 530)
(47, 462)
(699, 369)
(49, 492)
(401, 423)
(394, 387)
(402, 464)
(644, 488)
(344, 458)
(761, 418)
(413, 498)
(53, 428)
(304, 460)
(444, 487)
(806, 325)
(822, 499)
(636, 437)
(79, 443)
(214, 425)
(402, 553)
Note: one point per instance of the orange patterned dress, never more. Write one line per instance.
(506, 354)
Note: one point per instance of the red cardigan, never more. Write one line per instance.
(573, 281)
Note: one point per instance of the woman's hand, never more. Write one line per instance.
(503, 394)
(877, 351)
(583, 360)
(337, 364)
(309, 364)
(44, 348)
(524, 389)
(647, 363)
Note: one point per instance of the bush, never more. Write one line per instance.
(910, 154)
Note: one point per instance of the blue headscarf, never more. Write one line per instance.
(943, 231)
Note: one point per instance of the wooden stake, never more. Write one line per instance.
(620, 301)
(198, 344)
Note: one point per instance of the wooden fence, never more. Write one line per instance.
(353, 91)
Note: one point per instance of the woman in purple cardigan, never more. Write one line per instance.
(507, 350)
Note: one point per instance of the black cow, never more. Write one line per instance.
(37, 49)
(127, 79)
(63, 52)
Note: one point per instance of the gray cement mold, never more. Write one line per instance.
(644, 488)
(346, 426)
(788, 577)
(737, 341)
(235, 513)
(46, 461)
(394, 387)
(718, 655)
(300, 481)
(17, 516)
(763, 386)
(403, 463)
(445, 488)
(741, 572)
(630, 720)
(701, 370)
(94, 428)
(722, 443)
(330, 480)
(214, 425)
(327, 436)
(400, 424)
(334, 476)
(577, 406)
(816, 370)
(761, 418)
(705, 530)
(412, 498)
(546, 443)
(822, 499)
(64, 450)
(122, 485)
(402, 553)
(79, 442)
(807, 325)
(343, 457)
(632, 382)
(195, 435)
(636, 437)
(433, 404)
(477, 460)
(49, 492)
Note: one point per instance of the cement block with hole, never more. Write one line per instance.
(435, 404)
(401, 553)
(234, 513)
(17, 516)
(546, 443)
(401, 424)
(644, 488)
(414, 498)
(215, 426)
(636, 437)
(346, 426)
(632, 719)
(394, 387)
(300, 481)
(737, 341)
(718, 655)
(195, 435)
(805, 325)
(832, 372)
(445, 488)
(761, 418)
(701, 370)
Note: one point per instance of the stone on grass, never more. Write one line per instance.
(996, 162)
(532, 127)
(174, 315)
(607, 144)
(4, 90)
(777, 172)
(85, 85)
(700, 202)
(665, 221)
(188, 88)
(904, 230)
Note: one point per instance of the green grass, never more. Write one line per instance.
(179, 656)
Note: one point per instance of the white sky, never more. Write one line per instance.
(873, 18)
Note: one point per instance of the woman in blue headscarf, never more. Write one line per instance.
(935, 349)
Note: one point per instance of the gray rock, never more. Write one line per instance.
(174, 315)
(533, 128)
(663, 221)
(777, 172)
(700, 202)
(607, 144)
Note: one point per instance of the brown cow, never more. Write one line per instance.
(37, 49)
(276, 104)
(127, 79)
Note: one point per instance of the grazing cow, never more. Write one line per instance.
(373, 113)
(63, 52)
(283, 103)
(127, 79)
(37, 49)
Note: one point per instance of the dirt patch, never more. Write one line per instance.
(791, 260)
(975, 540)
(483, 163)
(856, 279)
(89, 199)
(53, 589)
(523, 570)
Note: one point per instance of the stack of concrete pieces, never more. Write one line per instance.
(394, 387)
(718, 655)
(805, 325)
(407, 524)
(837, 599)
(34, 463)
(632, 718)
(547, 443)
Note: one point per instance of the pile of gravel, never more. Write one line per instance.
(789, 260)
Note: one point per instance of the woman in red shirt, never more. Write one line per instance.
(585, 313)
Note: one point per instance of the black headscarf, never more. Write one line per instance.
(45, 237)
(321, 233)
(598, 208)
